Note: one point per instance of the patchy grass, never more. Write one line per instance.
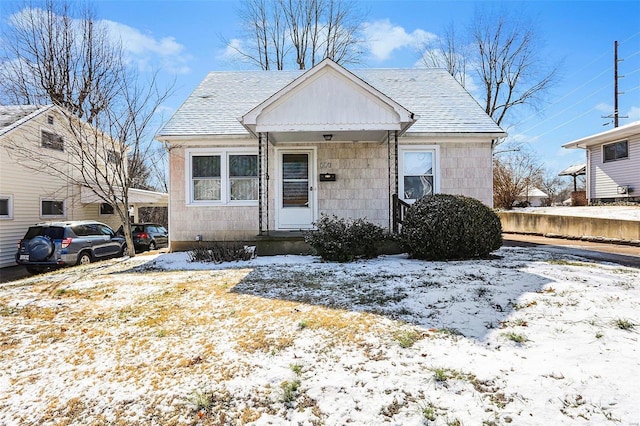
(123, 342)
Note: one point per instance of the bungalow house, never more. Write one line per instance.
(256, 153)
(27, 196)
(613, 163)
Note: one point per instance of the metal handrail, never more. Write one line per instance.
(399, 211)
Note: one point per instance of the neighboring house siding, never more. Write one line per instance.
(605, 177)
(28, 187)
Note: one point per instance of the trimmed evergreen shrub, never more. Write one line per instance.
(343, 240)
(443, 226)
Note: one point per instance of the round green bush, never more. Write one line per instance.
(443, 227)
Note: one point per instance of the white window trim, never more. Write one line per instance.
(435, 149)
(225, 193)
(9, 199)
(53, 216)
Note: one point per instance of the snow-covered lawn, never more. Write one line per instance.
(528, 338)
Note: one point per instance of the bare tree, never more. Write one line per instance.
(281, 33)
(449, 53)
(51, 57)
(72, 62)
(514, 173)
(504, 52)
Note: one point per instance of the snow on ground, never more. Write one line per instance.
(603, 212)
(528, 337)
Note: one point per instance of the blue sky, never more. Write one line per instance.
(183, 38)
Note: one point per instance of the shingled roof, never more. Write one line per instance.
(438, 100)
(12, 116)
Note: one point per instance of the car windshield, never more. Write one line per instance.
(53, 232)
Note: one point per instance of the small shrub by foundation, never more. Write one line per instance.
(219, 252)
(343, 240)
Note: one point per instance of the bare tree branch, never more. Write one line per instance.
(280, 33)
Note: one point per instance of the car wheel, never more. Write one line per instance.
(125, 251)
(84, 258)
(152, 245)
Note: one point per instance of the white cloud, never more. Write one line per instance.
(142, 49)
(383, 38)
(233, 49)
(147, 51)
(633, 114)
(604, 108)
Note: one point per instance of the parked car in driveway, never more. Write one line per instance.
(149, 236)
(52, 245)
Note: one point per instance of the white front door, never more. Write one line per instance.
(296, 192)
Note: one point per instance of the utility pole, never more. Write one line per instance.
(616, 112)
(615, 83)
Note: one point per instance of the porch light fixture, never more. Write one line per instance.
(327, 137)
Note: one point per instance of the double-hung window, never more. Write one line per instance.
(418, 172)
(222, 176)
(206, 178)
(615, 151)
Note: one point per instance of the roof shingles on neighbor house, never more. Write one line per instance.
(439, 103)
(12, 115)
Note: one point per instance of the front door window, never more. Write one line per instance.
(295, 180)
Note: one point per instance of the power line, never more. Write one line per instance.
(566, 109)
(608, 69)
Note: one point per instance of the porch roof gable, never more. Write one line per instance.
(327, 98)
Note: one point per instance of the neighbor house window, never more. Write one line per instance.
(616, 151)
(6, 207)
(52, 208)
(417, 172)
(106, 208)
(222, 177)
(52, 141)
(113, 157)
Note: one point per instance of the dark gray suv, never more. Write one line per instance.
(55, 244)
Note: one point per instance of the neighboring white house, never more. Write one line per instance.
(534, 196)
(253, 152)
(27, 196)
(613, 163)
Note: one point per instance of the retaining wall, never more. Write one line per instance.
(572, 227)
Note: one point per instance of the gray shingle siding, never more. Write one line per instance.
(441, 104)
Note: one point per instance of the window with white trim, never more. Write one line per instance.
(52, 141)
(6, 207)
(222, 176)
(615, 151)
(417, 172)
(51, 208)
